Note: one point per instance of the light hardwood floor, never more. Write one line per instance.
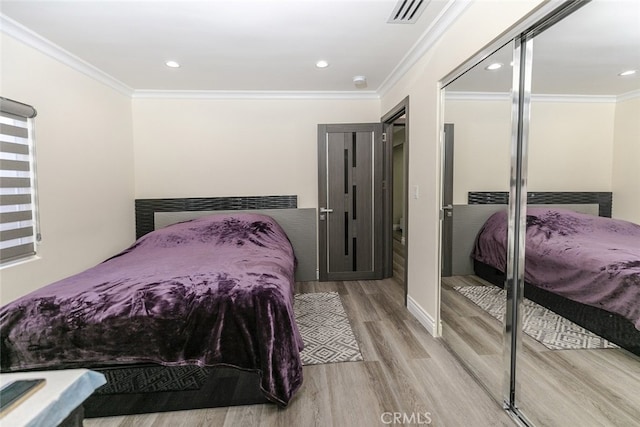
(557, 387)
(404, 370)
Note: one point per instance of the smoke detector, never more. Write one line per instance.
(360, 81)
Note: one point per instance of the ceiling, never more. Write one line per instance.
(580, 55)
(222, 45)
(273, 45)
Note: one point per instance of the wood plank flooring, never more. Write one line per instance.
(404, 370)
(557, 387)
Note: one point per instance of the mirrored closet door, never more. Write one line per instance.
(543, 304)
(582, 266)
(477, 109)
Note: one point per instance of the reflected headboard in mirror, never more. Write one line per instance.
(602, 199)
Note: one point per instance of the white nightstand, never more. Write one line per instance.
(59, 400)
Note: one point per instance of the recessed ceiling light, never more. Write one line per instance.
(628, 73)
(322, 64)
(493, 67)
(172, 64)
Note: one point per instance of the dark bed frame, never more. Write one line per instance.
(610, 326)
(148, 387)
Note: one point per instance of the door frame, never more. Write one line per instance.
(446, 254)
(402, 108)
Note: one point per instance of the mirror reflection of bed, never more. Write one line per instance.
(566, 244)
(605, 260)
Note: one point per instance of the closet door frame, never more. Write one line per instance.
(514, 283)
(521, 116)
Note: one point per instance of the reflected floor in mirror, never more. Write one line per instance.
(587, 387)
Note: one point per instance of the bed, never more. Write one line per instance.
(198, 314)
(584, 267)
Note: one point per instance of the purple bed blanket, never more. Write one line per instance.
(212, 291)
(584, 258)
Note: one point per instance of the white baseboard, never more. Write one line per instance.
(423, 317)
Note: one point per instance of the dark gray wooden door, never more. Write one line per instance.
(350, 201)
(447, 202)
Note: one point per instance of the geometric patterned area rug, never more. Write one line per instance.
(325, 329)
(553, 331)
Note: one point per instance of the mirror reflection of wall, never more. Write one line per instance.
(479, 106)
(625, 177)
(585, 116)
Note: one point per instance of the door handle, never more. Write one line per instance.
(325, 210)
(446, 210)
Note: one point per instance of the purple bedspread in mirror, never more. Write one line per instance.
(588, 259)
(213, 291)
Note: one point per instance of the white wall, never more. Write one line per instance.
(211, 148)
(487, 21)
(570, 146)
(84, 164)
(626, 161)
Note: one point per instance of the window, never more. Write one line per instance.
(18, 219)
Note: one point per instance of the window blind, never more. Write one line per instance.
(18, 219)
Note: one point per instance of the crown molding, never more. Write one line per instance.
(556, 98)
(255, 95)
(629, 95)
(450, 95)
(578, 99)
(448, 15)
(36, 41)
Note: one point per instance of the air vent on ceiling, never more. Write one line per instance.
(407, 11)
